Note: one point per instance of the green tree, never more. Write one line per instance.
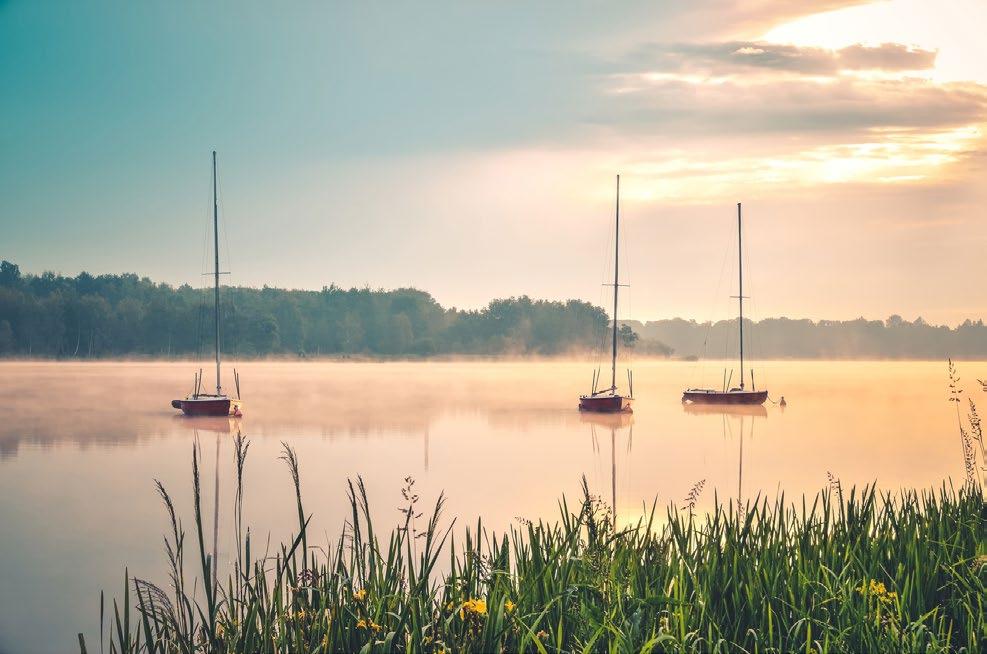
(628, 337)
(10, 274)
(7, 342)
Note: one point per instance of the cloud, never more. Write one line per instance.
(732, 19)
(888, 56)
(672, 106)
(744, 57)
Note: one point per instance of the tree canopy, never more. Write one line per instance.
(51, 315)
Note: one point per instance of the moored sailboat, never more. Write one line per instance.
(741, 394)
(198, 403)
(609, 400)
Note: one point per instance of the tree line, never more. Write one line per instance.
(773, 338)
(92, 316)
(51, 315)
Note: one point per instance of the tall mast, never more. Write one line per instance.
(215, 238)
(616, 267)
(740, 297)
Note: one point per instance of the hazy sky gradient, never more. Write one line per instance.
(469, 149)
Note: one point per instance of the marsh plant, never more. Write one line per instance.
(868, 572)
(971, 432)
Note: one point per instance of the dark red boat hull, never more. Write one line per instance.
(605, 403)
(721, 397)
(218, 406)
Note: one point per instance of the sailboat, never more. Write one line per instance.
(741, 394)
(198, 403)
(608, 400)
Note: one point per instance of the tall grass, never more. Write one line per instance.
(854, 572)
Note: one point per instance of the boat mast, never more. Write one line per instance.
(740, 297)
(616, 265)
(215, 237)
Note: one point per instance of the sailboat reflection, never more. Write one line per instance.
(726, 411)
(613, 422)
(218, 425)
(756, 410)
(213, 424)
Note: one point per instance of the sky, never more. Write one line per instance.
(470, 149)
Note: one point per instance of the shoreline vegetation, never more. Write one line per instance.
(848, 571)
(845, 571)
(51, 316)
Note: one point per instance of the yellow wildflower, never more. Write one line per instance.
(509, 606)
(477, 607)
(879, 591)
(542, 634)
(368, 624)
(360, 595)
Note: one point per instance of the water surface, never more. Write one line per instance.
(80, 445)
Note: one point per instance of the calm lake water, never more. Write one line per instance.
(81, 443)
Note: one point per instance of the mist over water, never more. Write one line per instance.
(81, 443)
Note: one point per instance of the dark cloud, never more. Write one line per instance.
(737, 57)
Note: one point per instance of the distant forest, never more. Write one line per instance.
(777, 338)
(51, 315)
(87, 316)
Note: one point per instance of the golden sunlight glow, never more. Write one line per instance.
(953, 27)
(892, 157)
(912, 152)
